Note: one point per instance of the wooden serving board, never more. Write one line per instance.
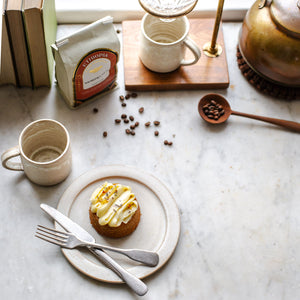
(207, 73)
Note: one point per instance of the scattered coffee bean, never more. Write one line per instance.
(127, 96)
(141, 110)
(128, 131)
(156, 123)
(95, 110)
(121, 97)
(126, 121)
(104, 133)
(147, 124)
(170, 143)
(132, 132)
(136, 124)
(117, 121)
(131, 118)
(123, 104)
(166, 142)
(118, 31)
(156, 133)
(133, 95)
(123, 116)
(132, 126)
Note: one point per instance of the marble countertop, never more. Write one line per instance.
(236, 186)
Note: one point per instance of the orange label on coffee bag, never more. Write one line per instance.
(95, 73)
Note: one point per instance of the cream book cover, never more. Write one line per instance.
(7, 71)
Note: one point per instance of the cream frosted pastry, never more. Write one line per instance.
(114, 210)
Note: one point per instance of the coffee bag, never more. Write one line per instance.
(86, 62)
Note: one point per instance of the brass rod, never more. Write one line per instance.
(217, 24)
(212, 49)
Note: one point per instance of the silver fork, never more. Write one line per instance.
(70, 241)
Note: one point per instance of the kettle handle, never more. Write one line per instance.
(262, 4)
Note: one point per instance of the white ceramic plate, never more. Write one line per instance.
(157, 231)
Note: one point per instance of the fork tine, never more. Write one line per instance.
(50, 240)
(54, 231)
(51, 234)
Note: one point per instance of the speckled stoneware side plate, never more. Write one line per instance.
(158, 230)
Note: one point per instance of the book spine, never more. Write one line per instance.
(18, 43)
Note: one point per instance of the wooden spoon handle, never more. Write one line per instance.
(284, 123)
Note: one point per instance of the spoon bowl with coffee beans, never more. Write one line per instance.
(215, 109)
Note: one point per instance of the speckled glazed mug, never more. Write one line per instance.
(163, 44)
(45, 152)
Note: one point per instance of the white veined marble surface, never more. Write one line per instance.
(236, 186)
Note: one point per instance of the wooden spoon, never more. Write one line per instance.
(227, 112)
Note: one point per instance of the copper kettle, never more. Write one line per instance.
(269, 40)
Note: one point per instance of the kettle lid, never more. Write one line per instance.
(286, 14)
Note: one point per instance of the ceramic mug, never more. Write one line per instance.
(163, 43)
(45, 152)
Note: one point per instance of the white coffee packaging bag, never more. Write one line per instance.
(86, 62)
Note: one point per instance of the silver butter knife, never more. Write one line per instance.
(138, 286)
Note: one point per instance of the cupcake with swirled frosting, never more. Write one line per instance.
(114, 210)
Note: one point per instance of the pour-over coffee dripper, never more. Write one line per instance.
(168, 9)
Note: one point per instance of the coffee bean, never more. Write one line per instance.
(126, 121)
(166, 142)
(131, 118)
(104, 133)
(121, 97)
(123, 104)
(133, 95)
(117, 121)
(132, 132)
(118, 31)
(141, 110)
(128, 131)
(156, 123)
(170, 143)
(123, 116)
(95, 110)
(213, 110)
(156, 133)
(127, 96)
(136, 124)
(132, 126)
(147, 124)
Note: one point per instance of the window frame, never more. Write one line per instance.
(87, 11)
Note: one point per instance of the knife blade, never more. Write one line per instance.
(138, 286)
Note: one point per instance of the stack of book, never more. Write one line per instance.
(28, 29)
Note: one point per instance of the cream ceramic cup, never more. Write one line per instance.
(45, 152)
(163, 43)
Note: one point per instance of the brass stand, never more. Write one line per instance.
(212, 49)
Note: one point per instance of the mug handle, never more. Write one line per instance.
(189, 43)
(7, 155)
